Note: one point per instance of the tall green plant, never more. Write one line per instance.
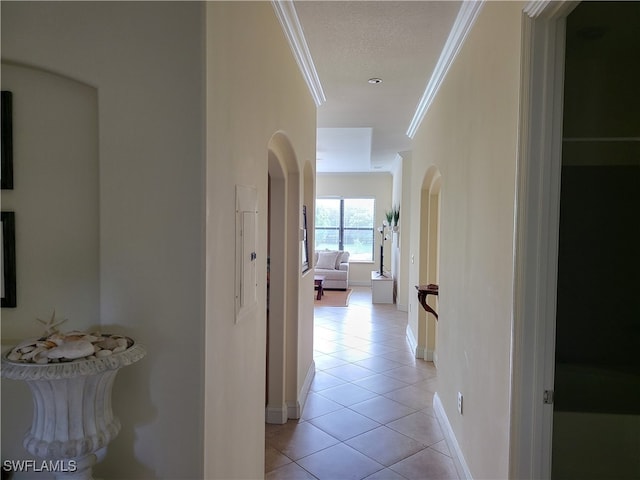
(389, 215)
(396, 215)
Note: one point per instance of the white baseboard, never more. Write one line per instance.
(412, 341)
(420, 352)
(452, 443)
(294, 409)
(276, 415)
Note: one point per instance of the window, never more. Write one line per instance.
(346, 224)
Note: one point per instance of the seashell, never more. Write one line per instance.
(27, 349)
(103, 353)
(14, 356)
(119, 349)
(107, 343)
(33, 353)
(91, 338)
(122, 342)
(46, 344)
(40, 355)
(41, 360)
(72, 350)
(56, 338)
(73, 338)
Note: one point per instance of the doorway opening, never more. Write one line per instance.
(429, 260)
(597, 371)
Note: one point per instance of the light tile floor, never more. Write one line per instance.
(369, 412)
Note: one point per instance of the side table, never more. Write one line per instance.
(318, 284)
(381, 287)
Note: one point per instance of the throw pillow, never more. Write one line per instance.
(327, 260)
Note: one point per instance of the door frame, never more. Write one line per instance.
(536, 236)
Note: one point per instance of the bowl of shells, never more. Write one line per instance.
(67, 347)
(71, 376)
(69, 354)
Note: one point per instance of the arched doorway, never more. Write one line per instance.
(282, 307)
(429, 259)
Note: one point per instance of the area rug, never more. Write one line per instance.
(333, 298)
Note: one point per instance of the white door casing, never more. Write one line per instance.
(536, 237)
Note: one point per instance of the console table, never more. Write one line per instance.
(423, 291)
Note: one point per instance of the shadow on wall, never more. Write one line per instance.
(121, 452)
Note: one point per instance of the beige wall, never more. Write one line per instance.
(374, 185)
(145, 61)
(401, 259)
(165, 246)
(55, 200)
(470, 135)
(160, 281)
(254, 91)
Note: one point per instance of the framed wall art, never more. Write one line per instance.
(8, 240)
(7, 140)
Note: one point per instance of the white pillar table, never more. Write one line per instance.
(381, 287)
(72, 417)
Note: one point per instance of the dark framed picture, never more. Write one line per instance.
(7, 140)
(9, 297)
(305, 240)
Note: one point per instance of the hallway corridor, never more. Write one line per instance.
(369, 412)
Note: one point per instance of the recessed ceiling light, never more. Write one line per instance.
(375, 80)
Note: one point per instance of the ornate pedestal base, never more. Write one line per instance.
(72, 419)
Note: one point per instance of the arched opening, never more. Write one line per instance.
(282, 294)
(429, 259)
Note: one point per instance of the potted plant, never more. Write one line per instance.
(389, 216)
(396, 218)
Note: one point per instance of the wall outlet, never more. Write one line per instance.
(460, 403)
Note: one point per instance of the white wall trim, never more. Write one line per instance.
(413, 343)
(464, 21)
(549, 9)
(276, 415)
(286, 13)
(419, 351)
(536, 237)
(452, 442)
(295, 408)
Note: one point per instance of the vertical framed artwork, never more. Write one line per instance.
(8, 240)
(7, 140)
(305, 240)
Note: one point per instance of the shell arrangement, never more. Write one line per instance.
(65, 347)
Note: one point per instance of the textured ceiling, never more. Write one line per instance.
(350, 42)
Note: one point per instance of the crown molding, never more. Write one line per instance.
(535, 7)
(286, 13)
(464, 21)
(548, 8)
